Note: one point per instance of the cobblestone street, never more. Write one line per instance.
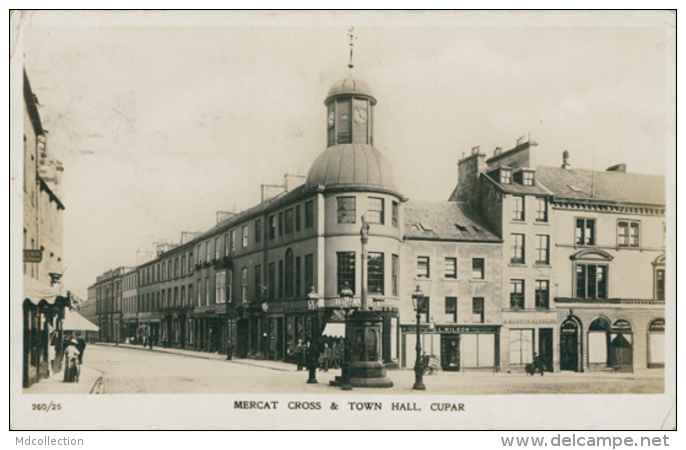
(127, 370)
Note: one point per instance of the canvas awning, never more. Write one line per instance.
(334, 329)
(76, 322)
(43, 294)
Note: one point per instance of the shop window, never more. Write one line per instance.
(478, 310)
(656, 343)
(346, 209)
(423, 267)
(517, 294)
(375, 210)
(518, 208)
(521, 346)
(450, 268)
(345, 270)
(542, 294)
(585, 231)
(591, 281)
(517, 249)
(450, 310)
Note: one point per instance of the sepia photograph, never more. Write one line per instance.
(342, 220)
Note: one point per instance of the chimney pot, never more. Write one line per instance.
(565, 159)
(497, 151)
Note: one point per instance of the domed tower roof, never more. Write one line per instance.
(352, 166)
(350, 86)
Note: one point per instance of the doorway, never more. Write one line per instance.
(242, 338)
(450, 352)
(545, 348)
(569, 345)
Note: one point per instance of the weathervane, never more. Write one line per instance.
(350, 33)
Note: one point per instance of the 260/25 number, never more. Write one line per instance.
(45, 407)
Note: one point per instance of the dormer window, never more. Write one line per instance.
(506, 177)
(528, 178)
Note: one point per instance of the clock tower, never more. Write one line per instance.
(349, 112)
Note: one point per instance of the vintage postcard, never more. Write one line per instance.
(343, 220)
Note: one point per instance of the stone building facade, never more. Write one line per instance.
(44, 299)
(583, 259)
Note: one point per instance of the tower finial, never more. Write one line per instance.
(350, 33)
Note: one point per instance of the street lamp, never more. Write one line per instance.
(346, 306)
(417, 303)
(312, 304)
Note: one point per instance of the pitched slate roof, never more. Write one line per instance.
(610, 186)
(445, 220)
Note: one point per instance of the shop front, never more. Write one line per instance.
(459, 348)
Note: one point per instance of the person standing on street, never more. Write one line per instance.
(71, 362)
(299, 354)
(538, 364)
(81, 347)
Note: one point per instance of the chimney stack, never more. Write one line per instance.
(565, 159)
(497, 151)
(223, 215)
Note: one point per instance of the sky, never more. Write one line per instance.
(161, 120)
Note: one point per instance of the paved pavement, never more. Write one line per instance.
(132, 369)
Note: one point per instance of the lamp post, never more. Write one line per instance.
(417, 303)
(312, 304)
(346, 306)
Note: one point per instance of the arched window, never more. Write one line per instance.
(289, 273)
(599, 342)
(656, 343)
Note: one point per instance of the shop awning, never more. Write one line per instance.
(334, 329)
(43, 294)
(76, 322)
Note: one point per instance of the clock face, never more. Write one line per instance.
(360, 115)
(331, 118)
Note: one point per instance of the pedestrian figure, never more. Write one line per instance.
(81, 347)
(327, 357)
(538, 364)
(71, 362)
(299, 354)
